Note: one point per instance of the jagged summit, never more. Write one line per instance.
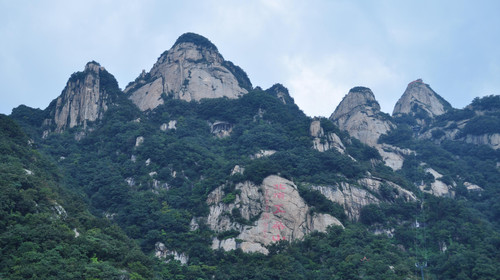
(359, 114)
(420, 101)
(357, 96)
(191, 70)
(85, 98)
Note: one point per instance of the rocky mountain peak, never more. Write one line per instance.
(359, 114)
(357, 98)
(85, 98)
(419, 98)
(191, 70)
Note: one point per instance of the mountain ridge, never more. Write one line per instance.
(206, 181)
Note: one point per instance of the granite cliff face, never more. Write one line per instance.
(369, 190)
(325, 141)
(262, 214)
(359, 114)
(420, 101)
(192, 69)
(85, 98)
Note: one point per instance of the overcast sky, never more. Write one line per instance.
(317, 49)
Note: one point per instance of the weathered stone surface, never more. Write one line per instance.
(59, 211)
(148, 96)
(189, 71)
(353, 197)
(393, 156)
(168, 126)
(322, 142)
(221, 129)
(420, 97)
(82, 100)
(263, 153)
(139, 140)
(438, 187)
(492, 140)
(162, 252)
(359, 114)
(237, 170)
(278, 212)
(472, 187)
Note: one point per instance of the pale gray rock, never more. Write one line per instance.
(139, 140)
(438, 187)
(263, 153)
(322, 142)
(353, 197)
(162, 252)
(393, 156)
(275, 206)
(28, 172)
(82, 100)
(359, 114)
(148, 96)
(189, 71)
(225, 244)
(420, 96)
(492, 140)
(237, 170)
(472, 187)
(130, 181)
(59, 211)
(168, 126)
(221, 129)
(194, 225)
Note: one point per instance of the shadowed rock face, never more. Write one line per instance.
(191, 70)
(359, 114)
(84, 99)
(419, 98)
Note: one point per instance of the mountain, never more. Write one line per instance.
(193, 173)
(421, 102)
(359, 114)
(192, 69)
(85, 98)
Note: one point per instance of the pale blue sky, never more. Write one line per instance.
(317, 49)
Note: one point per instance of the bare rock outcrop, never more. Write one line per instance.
(162, 252)
(419, 99)
(192, 69)
(262, 214)
(85, 98)
(221, 129)
(492, 140)
(324, 142)
(359, 114)
(393, 156)
(438, 187)
(365, 191)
